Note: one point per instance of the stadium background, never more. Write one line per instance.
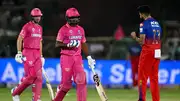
(108, 25)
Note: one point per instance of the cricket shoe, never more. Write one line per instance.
(16, 97)
(37, 100)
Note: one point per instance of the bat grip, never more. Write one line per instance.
(93, 71)
(45, 75)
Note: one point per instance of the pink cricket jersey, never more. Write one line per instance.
(32, 35)
(68, 33)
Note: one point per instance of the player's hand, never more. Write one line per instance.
(74, 43)
(133, 35)
(91, 62)
(42, 60)
(96, 79)
(19, 57)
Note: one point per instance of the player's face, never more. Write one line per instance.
(140, 15)
(74, 21)
(37, 19)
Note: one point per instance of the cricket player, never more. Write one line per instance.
(71, 39)
(150, 32)
(31, 39)
(134, 54)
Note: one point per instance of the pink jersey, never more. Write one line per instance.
(32, 35)
(68, 33)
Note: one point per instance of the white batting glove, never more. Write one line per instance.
(74, 43)
(42, 60)
(19, 57)
(91, 62)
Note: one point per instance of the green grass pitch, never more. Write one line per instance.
(113, 95)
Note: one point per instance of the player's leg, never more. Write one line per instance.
(29, 78)
(79, 77)
(136, 72)
(154, 81)
(133, 66)
(37, 85)
(143, 73)
(66, 82)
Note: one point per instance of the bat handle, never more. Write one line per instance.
(43, 70)
(93, 71)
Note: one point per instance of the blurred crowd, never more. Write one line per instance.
(106, 42)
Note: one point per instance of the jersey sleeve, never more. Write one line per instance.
(23, 31)
(60, 35)
(142, 28)
(83, 37)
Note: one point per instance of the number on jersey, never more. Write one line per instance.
(156, 37)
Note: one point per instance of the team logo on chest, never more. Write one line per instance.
(33, 30)
(34, 34)
(79, 32)
(70, 31)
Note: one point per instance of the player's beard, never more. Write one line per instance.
(36, 19)
(73, 21)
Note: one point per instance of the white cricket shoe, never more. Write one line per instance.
(37, 100)
(16, 97)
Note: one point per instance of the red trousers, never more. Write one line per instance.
(148, 68)
(134, 66)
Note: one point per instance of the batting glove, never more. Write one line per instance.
(42, 61)
(19, 57)
(91, 62)
(73, 43)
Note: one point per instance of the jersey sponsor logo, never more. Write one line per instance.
(75, 37)
(141, 30)
(36, 35)
(154, 24)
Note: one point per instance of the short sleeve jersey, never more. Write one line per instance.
(32, 35)
(152, 30)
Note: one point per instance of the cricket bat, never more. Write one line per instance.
(50, 90)
(99, 88)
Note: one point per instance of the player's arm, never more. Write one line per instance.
(142, 36)
(20, 39)
(84, 45)
(41, 48)
(41, 43)
(19, 43)
(85, 49)
(141, 39)
(60, 44)
(18, 56)
(59, 40)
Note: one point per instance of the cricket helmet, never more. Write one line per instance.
(72, 16)
(72, 12)
(36, 12)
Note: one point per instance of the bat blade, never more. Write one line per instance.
(50, 90)
(99, 87)
(51, 94)
(101, 92)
